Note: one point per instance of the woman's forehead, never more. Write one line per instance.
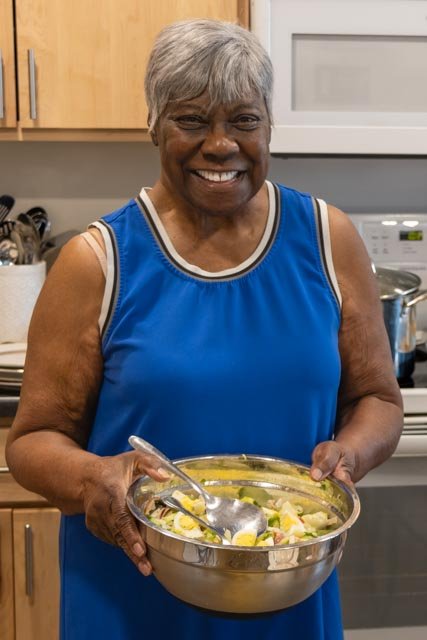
(206, 104)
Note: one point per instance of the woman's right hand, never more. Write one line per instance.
(104, 499)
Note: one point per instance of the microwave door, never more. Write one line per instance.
(350, 77)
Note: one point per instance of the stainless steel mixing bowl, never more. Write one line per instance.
(245, 580)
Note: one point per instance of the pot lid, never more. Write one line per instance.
(394, 282)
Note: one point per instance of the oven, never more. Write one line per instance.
(383, 572)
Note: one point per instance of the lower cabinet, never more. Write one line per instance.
(7, 596)
(29, 574)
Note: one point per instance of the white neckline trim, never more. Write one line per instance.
(225, 272)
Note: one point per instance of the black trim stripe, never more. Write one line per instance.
(237, 274)
(321, 242)
(116, 276)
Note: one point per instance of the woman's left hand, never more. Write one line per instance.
(333, 458)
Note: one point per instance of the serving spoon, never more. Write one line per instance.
(224, 514)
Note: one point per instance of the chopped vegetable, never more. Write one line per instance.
(288, 522)
(258, 495)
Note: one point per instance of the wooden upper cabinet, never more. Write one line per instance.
(89, 58)
(7, 66)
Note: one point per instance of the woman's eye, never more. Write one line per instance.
(190, 122)
(246, 121)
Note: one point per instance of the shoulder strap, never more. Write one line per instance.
(108, 263)
(102, 258)
(324, 239)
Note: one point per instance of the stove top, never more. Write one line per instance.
(414, 391)
(419, 377)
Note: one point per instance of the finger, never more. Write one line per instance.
(122, 533)
(95, 519)
(325, 458)
(150, 465)
(126, 535)
(344, 475)
(141, 562)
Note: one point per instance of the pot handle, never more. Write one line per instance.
(422, 295)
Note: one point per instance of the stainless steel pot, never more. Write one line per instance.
(399, 294)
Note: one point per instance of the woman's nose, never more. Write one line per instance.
(219, 143)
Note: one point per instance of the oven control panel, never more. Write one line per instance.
(396, 238)
(398, 241)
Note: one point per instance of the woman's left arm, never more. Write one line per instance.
(369, 414)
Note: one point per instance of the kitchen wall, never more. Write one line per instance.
(78, 182)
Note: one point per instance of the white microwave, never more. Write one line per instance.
(350, 75)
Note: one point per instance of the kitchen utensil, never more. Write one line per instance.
(224, 514)
(16, 237)
(6, 227)
(399, 294)
(245, 580)
(9, 253)
(6, 205)
(24, 236)
(173, 503)
(41, 221)
(30, 238)
(10, 249)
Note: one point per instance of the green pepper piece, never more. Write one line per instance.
(259, 495)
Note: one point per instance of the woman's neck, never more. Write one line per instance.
(211, 241)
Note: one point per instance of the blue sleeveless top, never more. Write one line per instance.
(240, 362)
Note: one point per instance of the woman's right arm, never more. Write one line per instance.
(63, 373)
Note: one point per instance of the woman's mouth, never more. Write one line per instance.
(218, 176)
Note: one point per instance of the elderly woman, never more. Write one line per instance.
(231, 315)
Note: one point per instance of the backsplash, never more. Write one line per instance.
(78, 182)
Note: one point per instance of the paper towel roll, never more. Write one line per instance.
(19, 288)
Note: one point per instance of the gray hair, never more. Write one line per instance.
(191, 56)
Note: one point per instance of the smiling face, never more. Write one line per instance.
(214, 160)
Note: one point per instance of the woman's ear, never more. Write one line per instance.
(153, 134)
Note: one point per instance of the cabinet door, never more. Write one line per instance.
(7, 631)
(88, 59)
(35, 540)
(7, 66)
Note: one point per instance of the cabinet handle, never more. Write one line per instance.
(28, 560)
(33, 86)
(1, 87)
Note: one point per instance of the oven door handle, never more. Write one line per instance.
(413, 420)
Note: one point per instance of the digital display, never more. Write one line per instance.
(415, 234)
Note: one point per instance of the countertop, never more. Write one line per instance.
(12, 494)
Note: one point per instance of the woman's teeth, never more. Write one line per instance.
(217, 176)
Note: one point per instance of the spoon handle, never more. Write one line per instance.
(138, 443)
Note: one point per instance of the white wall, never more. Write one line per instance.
(75, 182)
(78, 182)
